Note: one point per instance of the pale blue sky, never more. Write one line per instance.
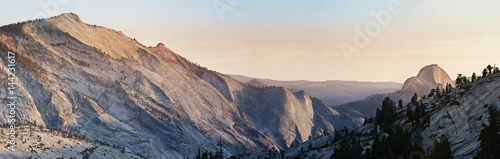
(298, 39)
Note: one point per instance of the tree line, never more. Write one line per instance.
(462, 80)
(390, 140)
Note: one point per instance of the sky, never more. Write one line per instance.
(362, 40)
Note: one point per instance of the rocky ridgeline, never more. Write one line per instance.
(98, 82)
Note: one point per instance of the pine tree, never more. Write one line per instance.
(442, 149)
(489, 69)
(414, 98)
(485, 73)
(204, 155)
(473, 77)
(431, 93)
(438, 94)
(376, 150)
(465, 80)
(459, 81)
(385, 116)
(220, 154)
(302, 150)
(417, 114)
(490, 137)
(336, 136)
(198, 155)
(358, 150)
(282, 154)
(409, 114)
(496, 70)
(348, 149)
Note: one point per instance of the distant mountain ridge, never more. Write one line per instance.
(333, 92)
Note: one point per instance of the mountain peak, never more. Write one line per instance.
(70, 17)
(428, 69)
(429, 77)
(433, 74)
(257, 83)
(160, 45)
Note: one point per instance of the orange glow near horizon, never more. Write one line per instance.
(298, 40)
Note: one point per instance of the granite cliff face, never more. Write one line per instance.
(98, 82)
